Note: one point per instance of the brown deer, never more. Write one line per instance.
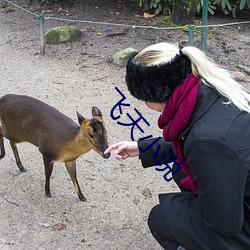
(59, 138)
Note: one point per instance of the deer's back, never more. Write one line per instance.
(24, 118)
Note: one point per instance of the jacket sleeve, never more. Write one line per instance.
(153, 150)
(220, 173)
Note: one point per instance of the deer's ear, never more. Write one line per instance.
(80, 118)
(96, 111)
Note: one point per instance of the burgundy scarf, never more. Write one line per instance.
(174, 119)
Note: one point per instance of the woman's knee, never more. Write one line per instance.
(156, 223)
(159, 229)
(153, 217)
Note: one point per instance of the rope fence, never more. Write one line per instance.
(191, 28)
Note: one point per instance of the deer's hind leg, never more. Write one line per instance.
(15, 151)
(71, 168)
(1, 144)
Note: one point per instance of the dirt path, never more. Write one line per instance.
(74, 77)
(115, 214)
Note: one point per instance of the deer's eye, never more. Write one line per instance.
(91, 136)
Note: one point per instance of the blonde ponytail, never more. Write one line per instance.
(218, 78)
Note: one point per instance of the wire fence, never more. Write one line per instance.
(191, 28)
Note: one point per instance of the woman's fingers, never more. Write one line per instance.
(113, 147)
(123, 150)
(120, 149)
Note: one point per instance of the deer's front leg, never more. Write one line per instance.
(71, 168)
(48, 165)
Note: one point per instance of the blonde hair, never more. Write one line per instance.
(202, 67)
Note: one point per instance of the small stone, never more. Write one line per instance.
(136, 201)
(147, 193)
(62, 34)
(244, 68)
(121, 58)
(44, 225)
(239, 76)
(2, 3)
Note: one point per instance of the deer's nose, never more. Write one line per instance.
(106, 156)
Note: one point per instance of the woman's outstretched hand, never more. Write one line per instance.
(124, 149)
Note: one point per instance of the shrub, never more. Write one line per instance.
(156, 6)
(165, 6)
(47, 1)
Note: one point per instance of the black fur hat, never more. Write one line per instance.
(156, 83)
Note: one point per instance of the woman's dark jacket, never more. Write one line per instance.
(216, 145)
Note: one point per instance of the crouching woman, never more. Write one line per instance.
(205, 119)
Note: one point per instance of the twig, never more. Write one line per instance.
(244, 68)
(13, 203)
(101, 78)
(57, 82)
(117, 34)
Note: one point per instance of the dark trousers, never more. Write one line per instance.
(156, 221)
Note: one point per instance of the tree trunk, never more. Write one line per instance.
(183, 11)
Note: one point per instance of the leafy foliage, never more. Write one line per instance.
(157, 6)
(47, 1)
(244, 3)
(226, 6)
(165, 6)
(211, 7)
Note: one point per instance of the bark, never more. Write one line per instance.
(183, 11)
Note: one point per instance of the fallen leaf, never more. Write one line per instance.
(58, 227)
(147, 15)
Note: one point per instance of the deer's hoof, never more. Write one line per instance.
(82, 198)
(48, 195)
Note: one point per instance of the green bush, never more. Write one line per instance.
(232, 6)
(156, 6)
(47, 1)
(165, 6)
(211, 7)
